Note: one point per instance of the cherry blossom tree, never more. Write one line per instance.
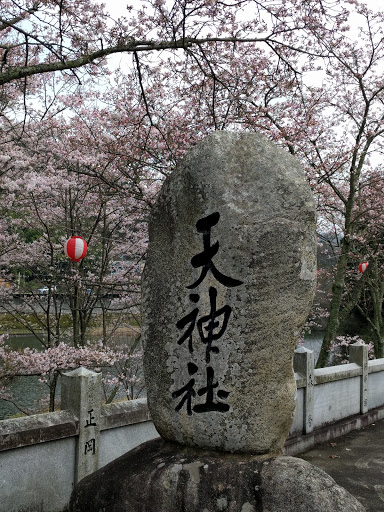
(367, 246)
(51, 198)
(195, 67)
(43, 37)
(50, 50)
(47, 364)
(334, 127)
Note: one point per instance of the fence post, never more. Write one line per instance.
(358, 353)
(81, 394)
(304, 364)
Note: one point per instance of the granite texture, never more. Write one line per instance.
(163, 477)
(232, 259)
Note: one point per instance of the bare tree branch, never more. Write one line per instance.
(133, 46)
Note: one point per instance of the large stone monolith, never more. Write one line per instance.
(227, 286)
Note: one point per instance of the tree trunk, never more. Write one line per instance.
(376, 288)
(52, 391)
(75, 317)
(333, 320)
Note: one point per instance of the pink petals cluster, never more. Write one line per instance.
(121, 367)
(339, 349)
(59, 358)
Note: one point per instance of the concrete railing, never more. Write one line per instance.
(43, 456)
(333, 401)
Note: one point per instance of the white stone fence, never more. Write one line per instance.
(333, 401)
(43, 456)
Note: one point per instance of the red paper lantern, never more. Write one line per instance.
(75, 248)
(363, 266)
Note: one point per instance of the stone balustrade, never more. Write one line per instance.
(42, 456)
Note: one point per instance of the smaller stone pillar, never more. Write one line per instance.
(81, 394)
(358, 353)
(304, 364)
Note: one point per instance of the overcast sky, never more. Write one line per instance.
(118, 8)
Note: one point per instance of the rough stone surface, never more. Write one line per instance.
(163, 477)
(257, 205)
(294, 484)
(80, 393)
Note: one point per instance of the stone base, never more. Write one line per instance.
(162, 477)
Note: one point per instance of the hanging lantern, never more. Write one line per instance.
(363, 266)
(75, 248)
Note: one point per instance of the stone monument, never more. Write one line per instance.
(228, 283)
(227, 287)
